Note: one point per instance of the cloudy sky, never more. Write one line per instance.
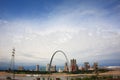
(87, 30)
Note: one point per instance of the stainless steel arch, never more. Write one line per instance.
(53, 57)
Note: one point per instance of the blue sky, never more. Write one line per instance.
(87, 30)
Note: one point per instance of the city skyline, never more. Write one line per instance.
(86, 30)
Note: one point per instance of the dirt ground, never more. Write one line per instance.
(63, 74)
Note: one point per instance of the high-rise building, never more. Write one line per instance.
(66, 67)
(37, 67)
(95, 67)
(47, 67)
(20, 68)
(86, 65)
(53, 68)
(73, 65)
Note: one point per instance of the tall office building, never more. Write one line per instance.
(95, 67)
(73, 65)
(47, 67)
(86, 66)
(37, 67)
(53, 68)
(20, 68)
(66, 67)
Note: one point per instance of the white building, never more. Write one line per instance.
(37, 68)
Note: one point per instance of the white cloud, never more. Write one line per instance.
(80, 33)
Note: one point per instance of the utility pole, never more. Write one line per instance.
(13, 63)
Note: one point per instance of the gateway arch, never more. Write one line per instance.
(53, 57)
